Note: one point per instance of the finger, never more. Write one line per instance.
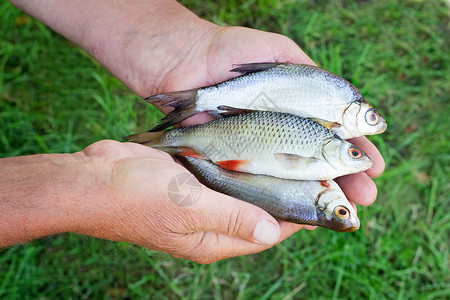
(287, 229)
(224, 246)
(199, 118)
(287, 51)
(354, 206)
(212, 247)
(310, 227)
(216, 212)
(358, 188)
(371, 150)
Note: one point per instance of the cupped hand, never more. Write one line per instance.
(209, 63)
(156, 47)
(133, 204)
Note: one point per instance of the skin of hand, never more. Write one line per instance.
(129, 201)
(119, 191)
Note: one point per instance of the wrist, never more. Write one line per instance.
(149, 43)
(41, 195)
(140, 42)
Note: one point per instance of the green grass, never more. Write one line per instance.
(54, 98)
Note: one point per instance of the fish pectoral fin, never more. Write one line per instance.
(294, 160)
(185, 151)
(253, 67)
(327, 124)
(233, 164)
(228, 111)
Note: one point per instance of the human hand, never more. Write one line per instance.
(159, 46)
(226, 46)
(120, 191)
(132, 204)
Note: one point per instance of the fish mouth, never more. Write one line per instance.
(338, 226)
(342, 227)
(349, 225)
(355, 225)
(383, 126)
(350, 229)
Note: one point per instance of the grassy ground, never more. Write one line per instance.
(54, 98)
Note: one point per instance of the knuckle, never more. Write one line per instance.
(235, 222)
(204, 249)
(103, 147)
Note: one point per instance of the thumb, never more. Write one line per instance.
(219, 213)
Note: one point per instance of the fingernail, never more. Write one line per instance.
(266, 233)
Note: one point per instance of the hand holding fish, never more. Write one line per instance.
(139, 209)
(232, 45)
(118, 191)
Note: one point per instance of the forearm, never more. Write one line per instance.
(39, 195)
(122, 35)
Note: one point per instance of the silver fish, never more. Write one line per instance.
(303, 202)
(303, 90)
(268, 143)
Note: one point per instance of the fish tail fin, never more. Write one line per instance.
(184, 103)
(146, 138)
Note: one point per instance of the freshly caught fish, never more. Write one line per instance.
(303, 90)
(303, 202)
(268, 143)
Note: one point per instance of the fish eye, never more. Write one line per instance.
(342, 212)
(372, 117)
(354, 152)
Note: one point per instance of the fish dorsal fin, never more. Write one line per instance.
(294, 160)
(253, 67)
(228, 111)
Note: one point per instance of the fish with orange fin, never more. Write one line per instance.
(267, 143)
(303, 90)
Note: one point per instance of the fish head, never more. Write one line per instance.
(345, 157)
(335, 212)
(361, 118)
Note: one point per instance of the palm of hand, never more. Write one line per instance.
(135, 207)
(223, 47)
(217, 226)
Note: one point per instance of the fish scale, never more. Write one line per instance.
(298, 201)
(282, 133)
(268, 143)
(280, 82)
(303, 90)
